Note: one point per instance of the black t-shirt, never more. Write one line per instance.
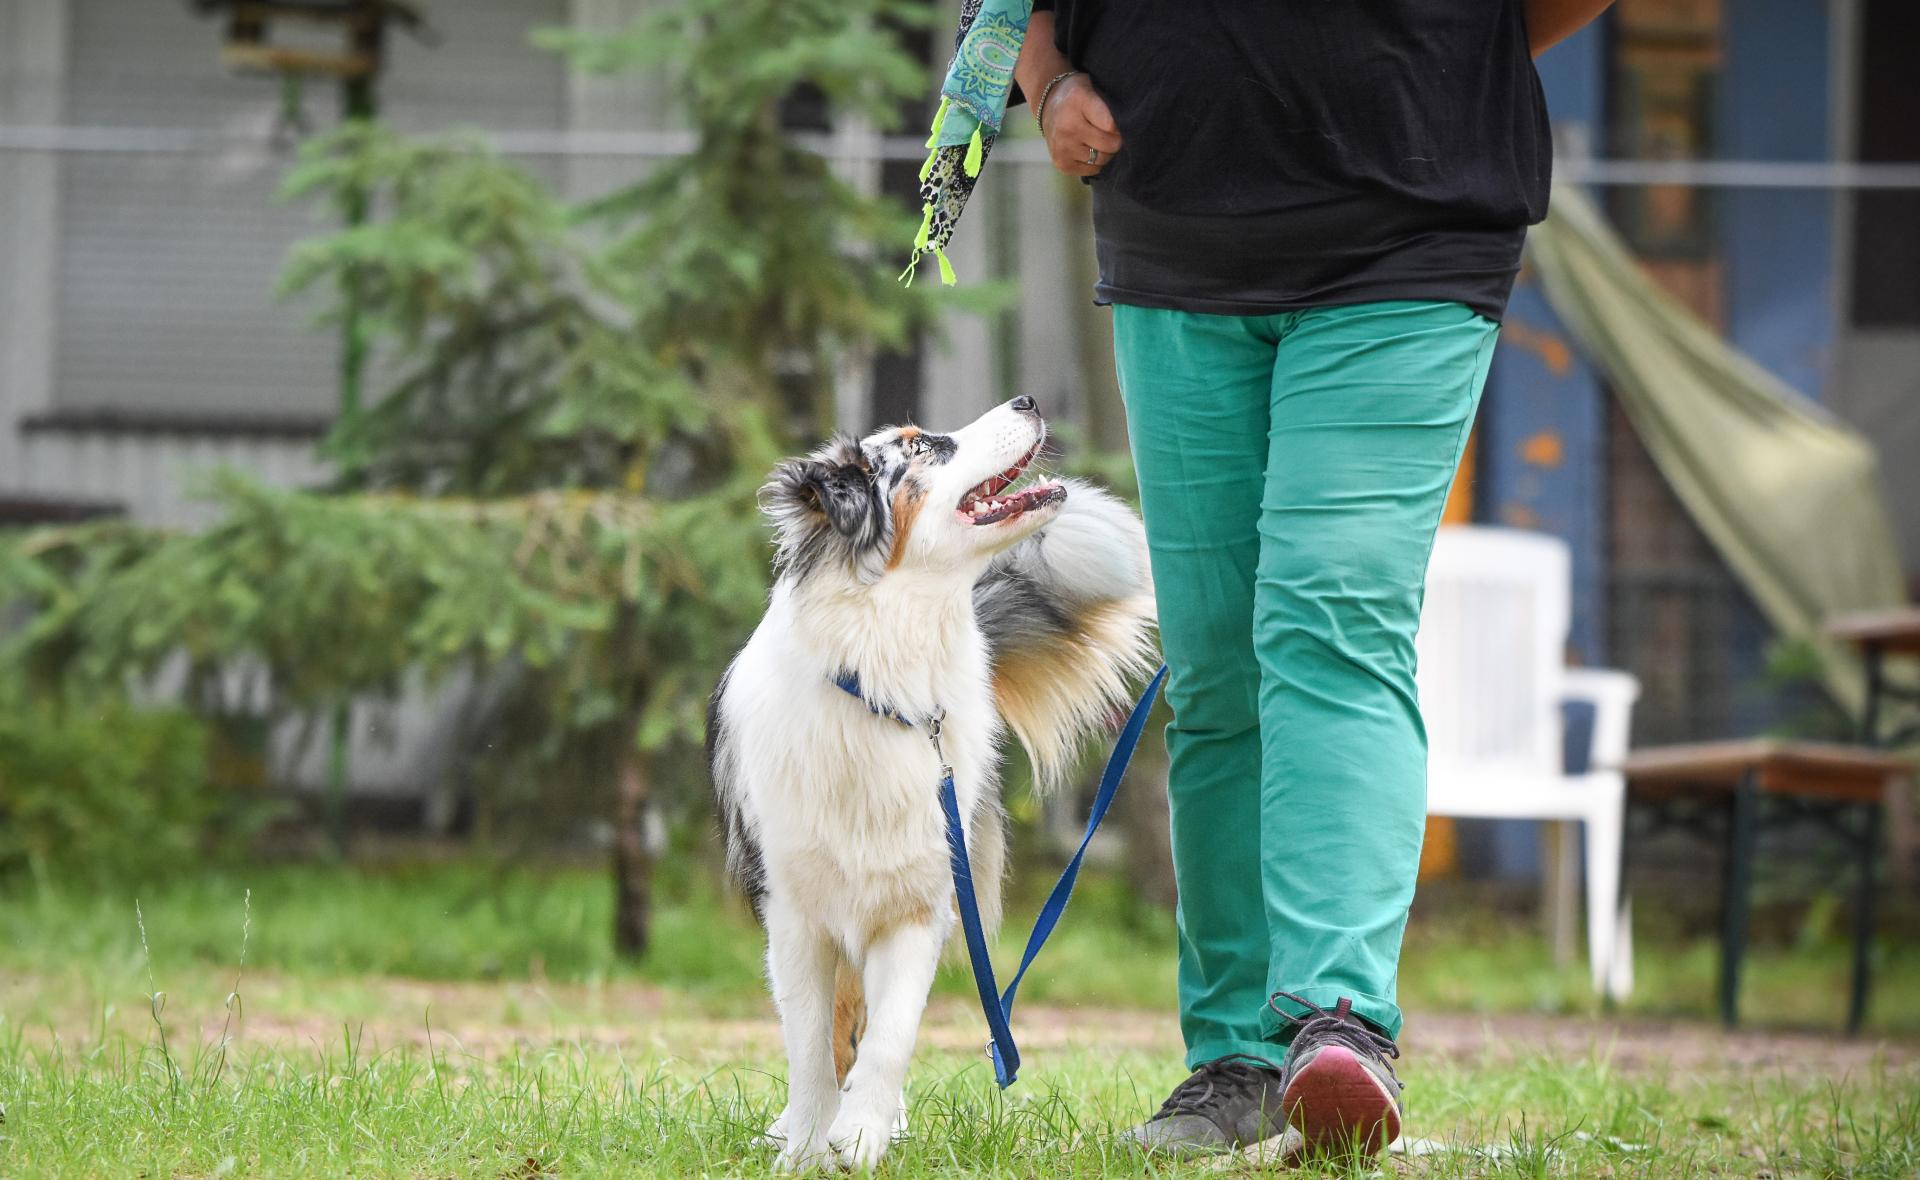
(1292, 153)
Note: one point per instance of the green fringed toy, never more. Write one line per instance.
(973, 100)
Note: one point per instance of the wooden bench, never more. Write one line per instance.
(1880, 636)
(1730, 790)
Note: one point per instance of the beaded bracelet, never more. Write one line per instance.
(1040, 108)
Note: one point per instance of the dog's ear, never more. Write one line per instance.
(846, 495)
(841, 493)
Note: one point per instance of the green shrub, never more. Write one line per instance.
(107, 790)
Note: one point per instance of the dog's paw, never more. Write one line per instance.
(775, 1135)
(860, 1137)
(806, 1156)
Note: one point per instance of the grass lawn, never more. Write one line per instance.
(437, 1021)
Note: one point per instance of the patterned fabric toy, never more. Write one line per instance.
(973, 100)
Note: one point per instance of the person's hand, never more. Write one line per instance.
(1080, 131)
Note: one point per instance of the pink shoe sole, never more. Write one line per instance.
(1338, 1106)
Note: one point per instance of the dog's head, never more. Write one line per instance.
(907, 498)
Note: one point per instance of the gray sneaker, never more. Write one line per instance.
(1227, 1103)
(1340, 1092)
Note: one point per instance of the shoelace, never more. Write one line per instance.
(1226, 1076)
(1339, 1027)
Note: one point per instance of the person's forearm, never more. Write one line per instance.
(1551, 21)
(1040, 60)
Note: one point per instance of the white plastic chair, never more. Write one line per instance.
(1492, 679)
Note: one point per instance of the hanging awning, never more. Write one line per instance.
(1787, 493)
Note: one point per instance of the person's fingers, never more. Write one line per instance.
(1085, 114)
(1074, 128)
(1072, 159)
(1078, 125)
(1108, 142)
(1095, 109)
(1075, 155)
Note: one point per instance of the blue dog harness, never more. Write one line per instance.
(997, 1006)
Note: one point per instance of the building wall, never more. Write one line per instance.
(1877, 371)
(33, 37)
(169, 261)
(1777, 245)
(1877, 388)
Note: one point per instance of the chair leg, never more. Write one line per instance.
(1620, 971)
(1559, 895)
(1603, 830)
(1620, 968)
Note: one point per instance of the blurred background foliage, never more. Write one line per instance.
(553, 491)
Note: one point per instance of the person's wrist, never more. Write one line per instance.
(1049, 93)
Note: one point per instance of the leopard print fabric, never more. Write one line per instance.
(946, 189)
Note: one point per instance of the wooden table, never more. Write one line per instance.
(1730, 790)
(1877, 635)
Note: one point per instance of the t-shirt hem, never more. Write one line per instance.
(1106, 294)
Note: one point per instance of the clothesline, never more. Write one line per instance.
(858, 146)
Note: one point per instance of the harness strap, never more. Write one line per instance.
(997, 1007)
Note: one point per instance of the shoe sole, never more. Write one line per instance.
(1339, 1107)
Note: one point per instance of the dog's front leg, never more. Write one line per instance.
(897, 976)
(800, 962)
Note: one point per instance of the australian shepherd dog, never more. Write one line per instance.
(920, 567)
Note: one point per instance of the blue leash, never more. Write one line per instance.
(994, 1004)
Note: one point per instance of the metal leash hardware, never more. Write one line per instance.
(933, 735)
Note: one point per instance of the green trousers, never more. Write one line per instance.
(1293, 469)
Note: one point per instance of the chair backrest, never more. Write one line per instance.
(1492, 648)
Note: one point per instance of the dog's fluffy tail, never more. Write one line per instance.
(1069, 615)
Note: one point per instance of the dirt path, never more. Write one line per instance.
(485, 1020)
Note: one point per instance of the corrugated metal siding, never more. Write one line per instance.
(168, 263)
(167, 273)
(153, 476)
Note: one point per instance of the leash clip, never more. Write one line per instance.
(934, 721)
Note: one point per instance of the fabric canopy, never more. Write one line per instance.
(1788, 494)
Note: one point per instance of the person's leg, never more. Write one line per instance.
(1196, 390)
(1371, 407)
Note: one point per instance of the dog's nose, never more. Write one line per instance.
(1025, 404)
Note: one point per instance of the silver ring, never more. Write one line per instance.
(1093, 156)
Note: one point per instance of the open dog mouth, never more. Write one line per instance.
(984, 502)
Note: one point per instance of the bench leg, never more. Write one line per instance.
(1743, 828)
(1867, 853)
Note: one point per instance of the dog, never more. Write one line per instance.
(911, 564)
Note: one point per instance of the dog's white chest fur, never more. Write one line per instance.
(844, 800)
